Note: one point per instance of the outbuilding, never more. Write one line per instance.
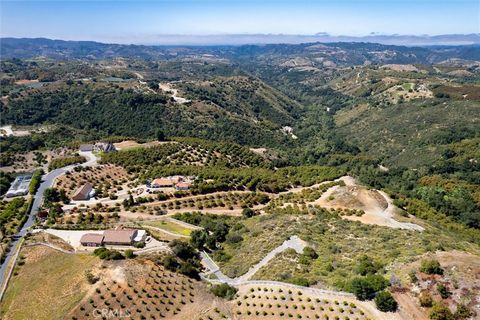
(92, 240)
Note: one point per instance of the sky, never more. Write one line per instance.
(127, 21)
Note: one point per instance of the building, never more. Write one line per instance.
(86, 147)
(92, 240)
(183, 186)
(119, 237)
(162, 183)
(140, 236)
(19, 186)
(85, 192)
(104, 147)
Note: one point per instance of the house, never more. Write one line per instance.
(104, 147)
(19, 186)
(119, 237)
(182, 186)
(140, 236)
(86, 147)
(92, 240)
(85, 192)
(162, 183)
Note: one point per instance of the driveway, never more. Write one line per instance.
(294, 243)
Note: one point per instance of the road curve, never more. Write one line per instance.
(47, 182)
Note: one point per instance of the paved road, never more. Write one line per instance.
(294, 242)
(47, 182)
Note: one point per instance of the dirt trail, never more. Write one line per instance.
(378, 206)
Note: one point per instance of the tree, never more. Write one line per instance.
(365, 287)
(385, 302)
(198, 238)
(224, 291)
(183, 250)
(170, 263)
(159, 135)
(431, 266)
(440, 311)
(248, 213)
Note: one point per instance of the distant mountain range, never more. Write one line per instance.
(341, 52)
(242, 39)
(239, 39)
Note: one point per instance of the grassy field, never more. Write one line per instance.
(47, 286)
(170, 226)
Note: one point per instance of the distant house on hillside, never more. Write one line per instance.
(86, 147)
(85, 192)
(98, 147)
(104, 147)
(183, 186)
(162, 183)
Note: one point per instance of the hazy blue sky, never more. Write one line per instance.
(141, 21)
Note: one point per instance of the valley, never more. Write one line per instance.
(312, 181)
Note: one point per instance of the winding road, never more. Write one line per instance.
(47, 182)
(294, 243)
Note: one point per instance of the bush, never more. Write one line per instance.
(299, 281)
(425, 299)
(248, 213)
(309, 252)
(367, 266)
(106, 254)
(443, 290)
(224, 291)
(463, 312)
(440, 312)
(385, 302)
(431, 266)
(365, 287)
(129, 254)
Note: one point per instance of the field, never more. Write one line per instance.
(170, 226)
(106, 179)
(47, 275)
(264, 301)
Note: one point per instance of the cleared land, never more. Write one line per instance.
(47, 275)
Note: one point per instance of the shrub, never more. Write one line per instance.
(463, 312)
(129, 254)
(299, 281)
(90, 277)
(385, 302)
(425, 299)
(431, 266)
(367, 266)
(443, 290)
(106, 254)
(440, 311)
(224, 290)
